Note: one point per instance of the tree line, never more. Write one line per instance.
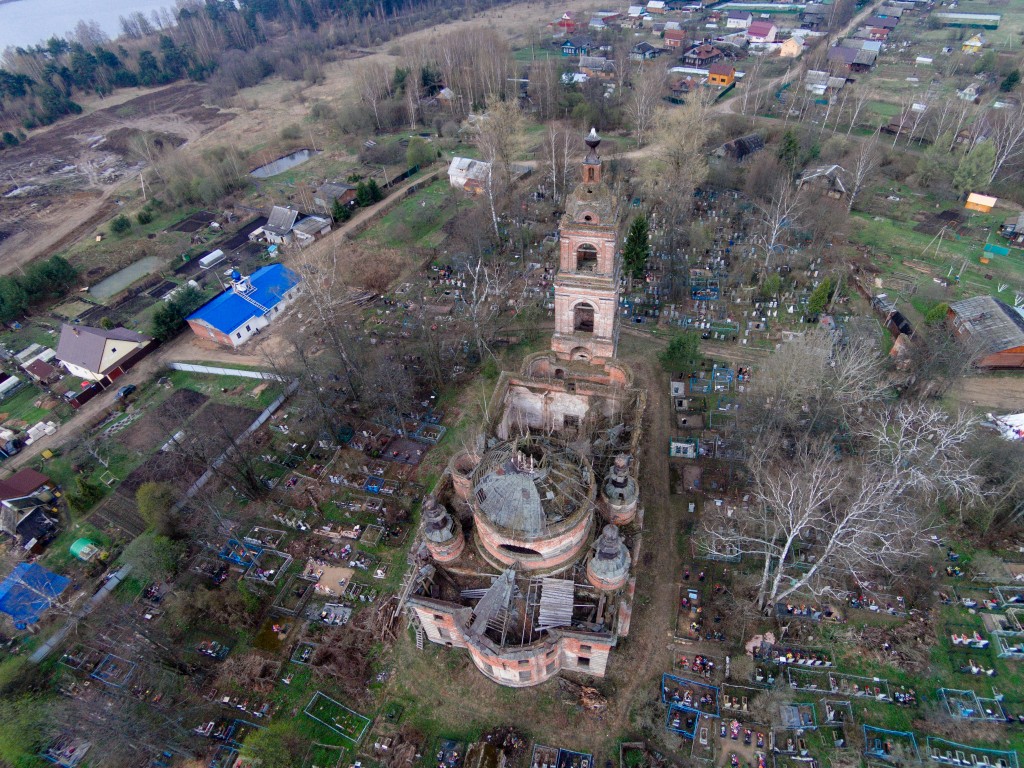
(230, 46)
(41, 280)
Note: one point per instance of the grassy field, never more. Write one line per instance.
(418, 220)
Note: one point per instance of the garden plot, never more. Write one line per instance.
(348, 724)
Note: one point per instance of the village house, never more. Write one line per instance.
(973, 45)
(827, 180)
(42, 372)
(721, 75)
(309, 229)
(468, 174)
(815, 15)
(95, 354)
(27, 508)
(597, 66)
(675, 38)
(656, 6)
(567, 23)
(703, 55)
(818, 82)
(792, 47)
(247, 306)
(885, 22)
(334, 192)
(447, 98)
(762, 32)
(680, 85)
(278, 229)
(739, 20)
(994, 329)
(578, 46)
(643, 51)
(980, 203)
(1013, 229)
(845, 58)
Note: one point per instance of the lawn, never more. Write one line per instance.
(229, 390)
(21, 407)
(417, 221)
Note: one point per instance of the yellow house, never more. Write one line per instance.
(973, 44)
(791, 48)
(721, 75)
(980, 203)
(96, 353)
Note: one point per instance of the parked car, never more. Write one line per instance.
(123, 392)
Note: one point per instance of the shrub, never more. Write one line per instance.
(121, 225)
(144, 217)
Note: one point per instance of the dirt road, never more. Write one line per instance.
(184, 348)
(1001, 394)
(637, 664)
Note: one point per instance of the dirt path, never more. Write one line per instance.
(638, 663)
(184, 348)
(1001, 394)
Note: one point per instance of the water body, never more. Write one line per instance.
(283, 164)
(27, 22)
(118, 281)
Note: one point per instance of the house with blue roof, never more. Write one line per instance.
(247, 307)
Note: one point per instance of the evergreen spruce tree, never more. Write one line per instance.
(637, 247)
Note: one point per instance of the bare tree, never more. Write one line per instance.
(815, 520)
(562, 147)
(777, 216)
(500, 139)
(1007, 135)
(926, 447)
(374, 84)
(648, 84)
(865, 162)
(860, 98)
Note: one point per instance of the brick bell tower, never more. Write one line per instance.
(586, 286)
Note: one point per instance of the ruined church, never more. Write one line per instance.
(526, 550)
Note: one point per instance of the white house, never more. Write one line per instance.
(468, 174)
(247, 307)
(95, 353)
(762, 32)
(738, 19)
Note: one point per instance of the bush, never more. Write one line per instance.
(682, 352)
(144, 217)
(291, 133)
(121, 225)
(169, 317)
(937, 314)
(420, 153)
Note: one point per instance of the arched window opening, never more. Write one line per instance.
(583, 318)
(586, 258)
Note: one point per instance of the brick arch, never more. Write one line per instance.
(584, 315)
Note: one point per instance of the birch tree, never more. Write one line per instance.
(778, 214)
(865, 162)
(1007, 136)
(499, 135)
(562, 149)
(642, 106)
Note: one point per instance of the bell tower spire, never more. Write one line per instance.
(592, 162)
(587, 283)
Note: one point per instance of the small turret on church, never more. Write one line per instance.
(586, 287)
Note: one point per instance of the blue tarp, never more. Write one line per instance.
(28, 591)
